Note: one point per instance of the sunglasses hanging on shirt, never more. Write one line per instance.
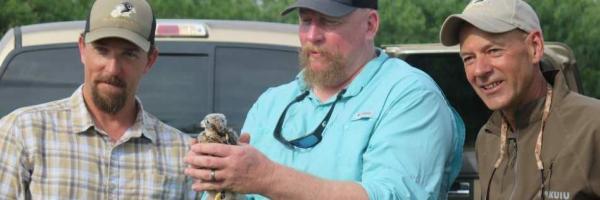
(310, 140)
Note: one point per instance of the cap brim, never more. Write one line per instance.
(329, 8)
(452, 24)
(125, 34)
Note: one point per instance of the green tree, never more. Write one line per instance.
(14, 13)
(256, 10)
(401, 21)
(575, 24)
(19, 12)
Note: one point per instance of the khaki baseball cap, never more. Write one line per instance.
(333, 8)
(132, 20)
(492, 16)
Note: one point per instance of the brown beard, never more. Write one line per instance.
(110, 104)
(331, 76)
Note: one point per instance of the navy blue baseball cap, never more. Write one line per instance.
(334, 8)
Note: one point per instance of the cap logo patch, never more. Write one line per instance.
(123, 10)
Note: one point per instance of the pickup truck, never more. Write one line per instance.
(203, 67)
(223, 66)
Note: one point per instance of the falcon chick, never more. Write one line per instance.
(216, 131)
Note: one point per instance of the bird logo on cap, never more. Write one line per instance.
(123, 10)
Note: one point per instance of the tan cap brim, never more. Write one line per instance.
(125, 34)
(451, 28)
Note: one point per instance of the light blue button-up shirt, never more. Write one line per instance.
(392, 132)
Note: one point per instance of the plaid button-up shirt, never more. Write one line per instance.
(54, 151)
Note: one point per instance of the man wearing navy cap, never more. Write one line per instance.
(353, 124)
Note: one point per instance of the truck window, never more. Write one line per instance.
(188, 81)
(244, 72)
(42, 75)
(177, 90)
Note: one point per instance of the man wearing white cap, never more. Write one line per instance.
(99, 143)
(542, 140)
(354, 123)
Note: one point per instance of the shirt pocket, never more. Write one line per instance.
(360, 125)
(356, 134)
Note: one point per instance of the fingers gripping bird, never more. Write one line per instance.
(216, 131)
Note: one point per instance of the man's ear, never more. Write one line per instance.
(535, 43)
(372, 24)
(152, 56)
(81, 45)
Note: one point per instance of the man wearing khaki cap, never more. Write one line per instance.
(542, 141)
(354, 123)
(99, 143)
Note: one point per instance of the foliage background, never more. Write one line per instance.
(403, 21)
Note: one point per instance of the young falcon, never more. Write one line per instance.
(216, 131)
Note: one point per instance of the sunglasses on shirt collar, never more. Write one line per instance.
(310, 140)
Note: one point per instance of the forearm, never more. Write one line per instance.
(287, 183)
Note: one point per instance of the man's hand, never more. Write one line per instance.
(244, 169)
(240, 168)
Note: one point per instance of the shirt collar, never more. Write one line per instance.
(143, 125)
(560, 90)
(526, 115)
(146, 121)
(360, 81)
(523, 119)
(83, 120)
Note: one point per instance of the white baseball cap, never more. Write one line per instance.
(492, 16)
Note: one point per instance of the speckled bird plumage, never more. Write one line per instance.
(217, 131)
